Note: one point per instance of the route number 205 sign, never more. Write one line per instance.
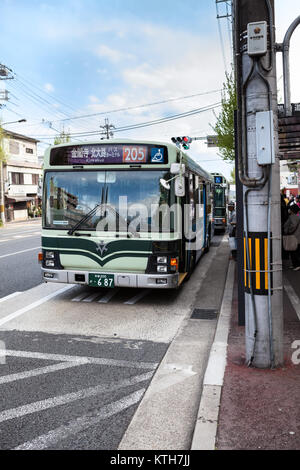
(134, 154)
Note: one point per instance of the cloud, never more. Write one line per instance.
(112, 55)
(49, 87)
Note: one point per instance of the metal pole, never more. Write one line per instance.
(262, 241)
(286, 66)
(2, 211)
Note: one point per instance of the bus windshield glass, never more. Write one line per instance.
(124, 198)
(219, 197)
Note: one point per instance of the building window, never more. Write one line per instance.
(35, 179)
(28, 150)
(14, 147)
(17, 178)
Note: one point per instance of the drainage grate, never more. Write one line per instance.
(204, 314)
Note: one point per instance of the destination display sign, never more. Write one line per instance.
(108, 154)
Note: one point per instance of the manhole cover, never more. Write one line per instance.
(204, 314)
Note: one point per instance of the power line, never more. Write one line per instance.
(142, 105)
(149, 123)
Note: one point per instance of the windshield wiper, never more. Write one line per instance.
(93, 211)
(84, 219)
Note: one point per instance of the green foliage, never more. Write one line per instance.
(232, 176)
(224, 127)
(3, 156)
(62, 138)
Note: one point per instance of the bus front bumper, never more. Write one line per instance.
(157, 281)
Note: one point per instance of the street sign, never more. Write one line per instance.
(212, 141)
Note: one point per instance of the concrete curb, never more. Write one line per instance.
(207, 420)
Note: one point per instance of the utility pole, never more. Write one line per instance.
(255, 69)
(5, 74)
(107, 129)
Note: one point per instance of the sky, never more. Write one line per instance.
(77, 62)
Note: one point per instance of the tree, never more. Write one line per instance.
(224, 127)
(3, 155)
(232, 176)
(62, 138)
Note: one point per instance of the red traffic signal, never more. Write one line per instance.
(184, 141)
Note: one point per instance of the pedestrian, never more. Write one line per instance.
(298, 200)
(292, 227)
(232, 229)
(284, 218)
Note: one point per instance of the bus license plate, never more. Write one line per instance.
(101, 280)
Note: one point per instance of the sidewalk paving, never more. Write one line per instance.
(260, 408)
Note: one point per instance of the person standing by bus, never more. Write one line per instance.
(292, 227)
(232, 229)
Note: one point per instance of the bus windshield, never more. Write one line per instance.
(123, 197)
(219, 197)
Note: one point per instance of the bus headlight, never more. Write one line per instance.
(162, 269)
(49, 255)
(50, 263)
(162, 259)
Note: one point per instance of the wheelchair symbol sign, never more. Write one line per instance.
(157, 155)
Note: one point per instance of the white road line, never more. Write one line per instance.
(39, 371)
(10, 296)
(107, 297)
(5, 240)
(18, 252)
(53, 402)
(34, 304)
(79, 297)
(137, 297)
(91, 297)
(90, 360)
(80, 424)
(295, 301)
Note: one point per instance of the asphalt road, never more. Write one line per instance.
(79, 364)
(19, 267)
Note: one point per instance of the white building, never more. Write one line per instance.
(22, 173)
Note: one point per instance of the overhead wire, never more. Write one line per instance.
(149, 123)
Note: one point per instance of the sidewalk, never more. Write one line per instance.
(259, 409)
(21, 222)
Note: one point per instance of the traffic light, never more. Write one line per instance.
(184, 141)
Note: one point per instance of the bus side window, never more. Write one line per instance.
(208, 198)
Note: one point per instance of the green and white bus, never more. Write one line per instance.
(123, 213)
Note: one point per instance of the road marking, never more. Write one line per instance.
(91, 297)
(33, 305)
(137, 297)
(18, 252)
(80, 424)
(107, 297)
(42, 405)
(79, 297)
(10, 296)
(39, 371)
(5, 240)
(292, 296)
(90, 360)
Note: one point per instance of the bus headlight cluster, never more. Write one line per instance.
(49, 255)
(162, 259)
(162, 269)
(50, 263)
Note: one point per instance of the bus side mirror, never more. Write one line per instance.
(179, 186)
